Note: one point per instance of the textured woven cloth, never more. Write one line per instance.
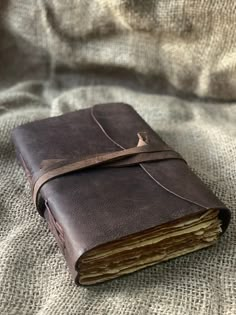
(174, 61)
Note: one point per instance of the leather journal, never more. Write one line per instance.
(116, 197)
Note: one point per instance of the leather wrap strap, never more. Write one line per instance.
(131, 156)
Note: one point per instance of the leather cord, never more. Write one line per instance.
(140, 153)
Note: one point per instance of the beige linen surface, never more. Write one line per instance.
(174, 61)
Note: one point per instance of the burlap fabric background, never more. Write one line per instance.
(175, 62)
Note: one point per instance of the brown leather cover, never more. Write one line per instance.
(100, 204)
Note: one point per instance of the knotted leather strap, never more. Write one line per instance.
(141, 153)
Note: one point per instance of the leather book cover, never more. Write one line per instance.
(116, 197)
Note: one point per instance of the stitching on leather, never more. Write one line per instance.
(141, 165)
(56, 228)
